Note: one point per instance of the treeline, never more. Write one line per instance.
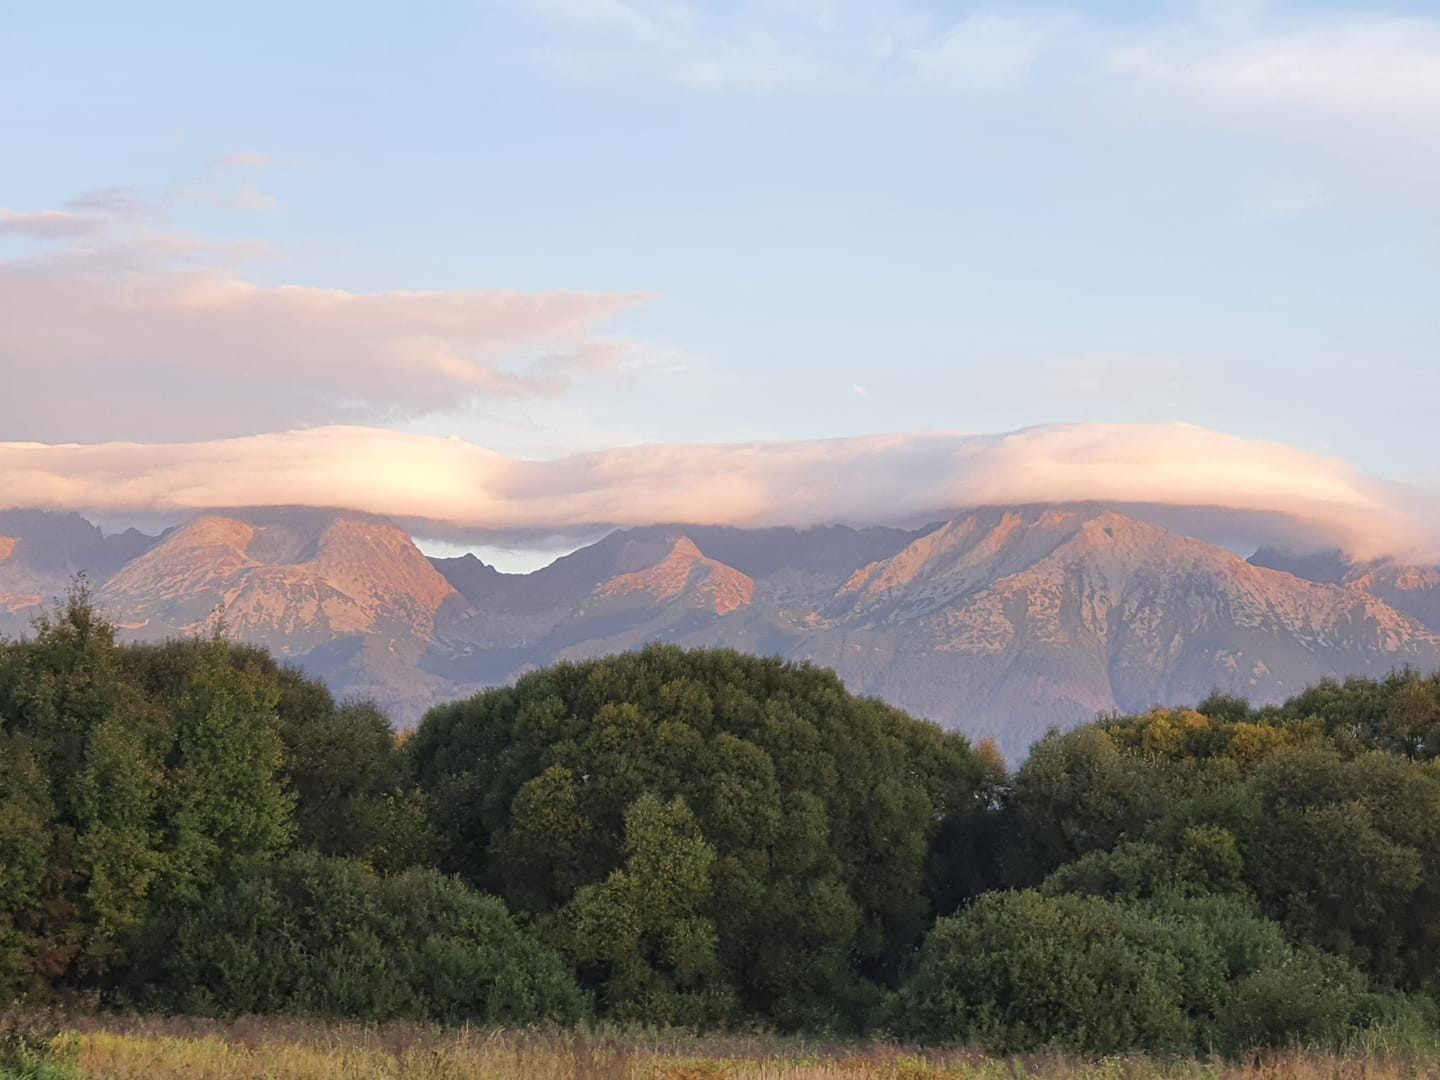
(190, 827)
(713, 840)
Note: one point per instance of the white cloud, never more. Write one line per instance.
(115, 204)
(1232, 16)
(1242, 52)
(248, 197)
(754, 48)
(1373, 67)
(449, 489)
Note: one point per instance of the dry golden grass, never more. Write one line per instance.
(268, 1049)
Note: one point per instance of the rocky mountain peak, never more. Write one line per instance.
(308, 577)
(970, 551)
(474, 578)
(1000, 621)
(683, 569)
(380, 567)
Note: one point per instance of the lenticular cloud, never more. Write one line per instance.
(457, 489)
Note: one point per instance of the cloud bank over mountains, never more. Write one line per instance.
(452, 489)
(204, 384)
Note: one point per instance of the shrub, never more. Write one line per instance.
(310, 934)
(1308, 999)
(1022, 970)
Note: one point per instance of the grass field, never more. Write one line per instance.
(268, 1049)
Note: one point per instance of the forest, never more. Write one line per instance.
(709, 841)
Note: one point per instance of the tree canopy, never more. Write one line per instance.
(151, 797)
(709, 839)
(757, 835)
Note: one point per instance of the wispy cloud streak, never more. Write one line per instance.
(1356, 83)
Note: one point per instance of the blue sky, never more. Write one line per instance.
(826, 218)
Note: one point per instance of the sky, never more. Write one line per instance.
(512, 233)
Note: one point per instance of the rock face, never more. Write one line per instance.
(293, 578)
(1005, 622)
(684, 574)
(348, 597)
(41, 553)
(1000, 622)
(1415, 590)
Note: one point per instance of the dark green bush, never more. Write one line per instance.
(310, 934)
(1308, 999)
(1021, 970)
(1335, 839)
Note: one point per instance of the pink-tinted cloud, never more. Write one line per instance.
(124, 328)
(190, 352)
(450, 488)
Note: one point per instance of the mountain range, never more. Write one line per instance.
(999, 621)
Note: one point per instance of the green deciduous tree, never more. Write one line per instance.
(644, 930)
(819, 809)
(115, 797)
(1317, 809)
(353, 793)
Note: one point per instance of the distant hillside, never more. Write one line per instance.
(999, 622)
(41, 552)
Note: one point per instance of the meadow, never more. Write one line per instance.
(266, 1048)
